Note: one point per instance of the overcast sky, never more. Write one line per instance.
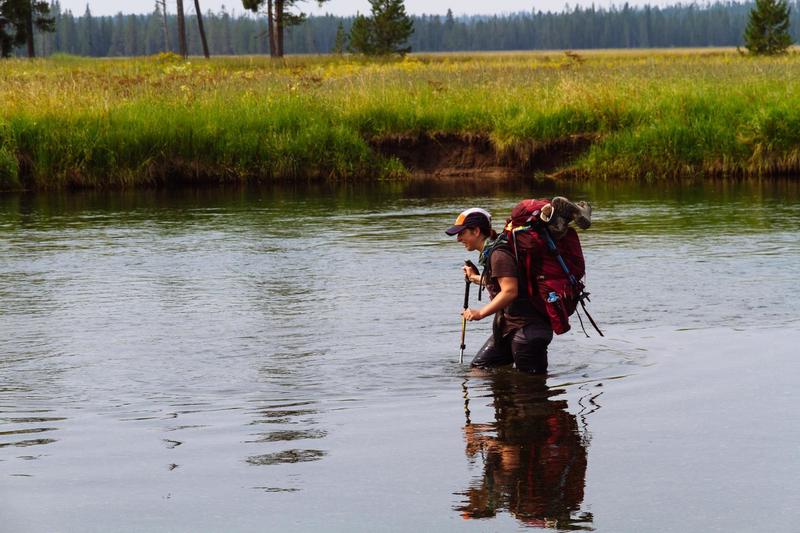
(350, 7)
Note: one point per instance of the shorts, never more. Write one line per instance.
(526, 347)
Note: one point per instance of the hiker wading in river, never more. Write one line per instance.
(521, 333)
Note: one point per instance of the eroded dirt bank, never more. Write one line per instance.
(460, 155)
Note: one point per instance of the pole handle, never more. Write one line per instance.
(471, 265)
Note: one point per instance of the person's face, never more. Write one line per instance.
(471, 238)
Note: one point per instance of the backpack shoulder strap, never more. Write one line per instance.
(486, 256)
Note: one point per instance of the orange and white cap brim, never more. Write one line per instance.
(469, 218)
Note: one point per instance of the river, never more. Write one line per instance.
(286, 359)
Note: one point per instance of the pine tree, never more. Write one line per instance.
(361, 36)
(85, 46)
(225, 29)
(116, 45)
(18, 19)
(385, 32)
(767, 31)
(131, 36)
(448, 33)
(391, 27)
(340, 44)
(68, 31)
(153, 32)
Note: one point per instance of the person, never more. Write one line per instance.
(521, 333)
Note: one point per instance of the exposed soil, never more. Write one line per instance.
(456, 155)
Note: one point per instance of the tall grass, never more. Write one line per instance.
(653, 115)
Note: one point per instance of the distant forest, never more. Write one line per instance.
(681, 25)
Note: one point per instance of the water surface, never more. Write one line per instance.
(286, 359)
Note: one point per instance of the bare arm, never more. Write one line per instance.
(507, 294)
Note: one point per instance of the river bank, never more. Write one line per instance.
(643, 115)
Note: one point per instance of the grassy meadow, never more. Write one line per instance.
(669, 114)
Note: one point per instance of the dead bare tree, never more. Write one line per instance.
(181, 31)
(161, 5)
(273, 49)
(200, 28)
(279, 17)
(279, 13)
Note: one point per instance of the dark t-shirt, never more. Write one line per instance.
(503, 265)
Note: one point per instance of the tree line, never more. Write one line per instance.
(233, 33)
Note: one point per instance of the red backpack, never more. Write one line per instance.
(550, 272)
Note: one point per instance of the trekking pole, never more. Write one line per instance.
(464, 322)
(471, 265)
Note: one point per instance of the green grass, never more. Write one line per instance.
(9, 167)
(68, 121)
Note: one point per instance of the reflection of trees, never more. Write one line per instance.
(534, 456)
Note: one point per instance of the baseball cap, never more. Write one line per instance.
(474, 217)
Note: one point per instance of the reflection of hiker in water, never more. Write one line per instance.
(534, 457)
